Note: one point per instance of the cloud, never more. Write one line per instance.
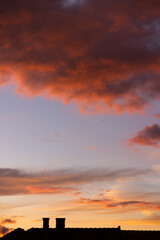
(111, 203)
(4, 230)
(149, 136)
(157, 115)
(47, 190)
(102, 55)
(77, 193)
(94, 148)
(15, 181)
(8, 220)
(93, 201)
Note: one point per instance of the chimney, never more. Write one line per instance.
(45, 223)
(60, 223)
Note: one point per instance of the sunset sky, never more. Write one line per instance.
(80, 113)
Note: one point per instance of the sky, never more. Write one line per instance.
(80, 116)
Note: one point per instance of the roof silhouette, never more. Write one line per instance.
(61, 233)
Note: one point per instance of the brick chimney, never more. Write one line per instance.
(45, 223)
(60, 223)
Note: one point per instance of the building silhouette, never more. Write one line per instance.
(62, 233)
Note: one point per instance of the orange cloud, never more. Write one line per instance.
(48, 190)
(15, 181)
(157, 115)
(4, 230)
(8, 220)
(103, 55)
(149, 136)
(111, 203)
(77, 193)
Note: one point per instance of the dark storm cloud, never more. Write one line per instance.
(100, 54)
(149, 136)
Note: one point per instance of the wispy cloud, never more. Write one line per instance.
(49, 190)
(15, 181)
(111, 203)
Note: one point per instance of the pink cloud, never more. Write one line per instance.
(149, 136)
(157, 115)
(58, 182)
(102, 55)
(93, 148)
(111, 203)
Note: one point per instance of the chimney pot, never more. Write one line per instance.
(45, 223)
(60, 223)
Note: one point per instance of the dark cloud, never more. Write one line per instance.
(149, 136)
(8, 220)
(14, 181)
(100, 54)
(130, 203)
(4, 230)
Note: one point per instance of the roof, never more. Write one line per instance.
(66, 233)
